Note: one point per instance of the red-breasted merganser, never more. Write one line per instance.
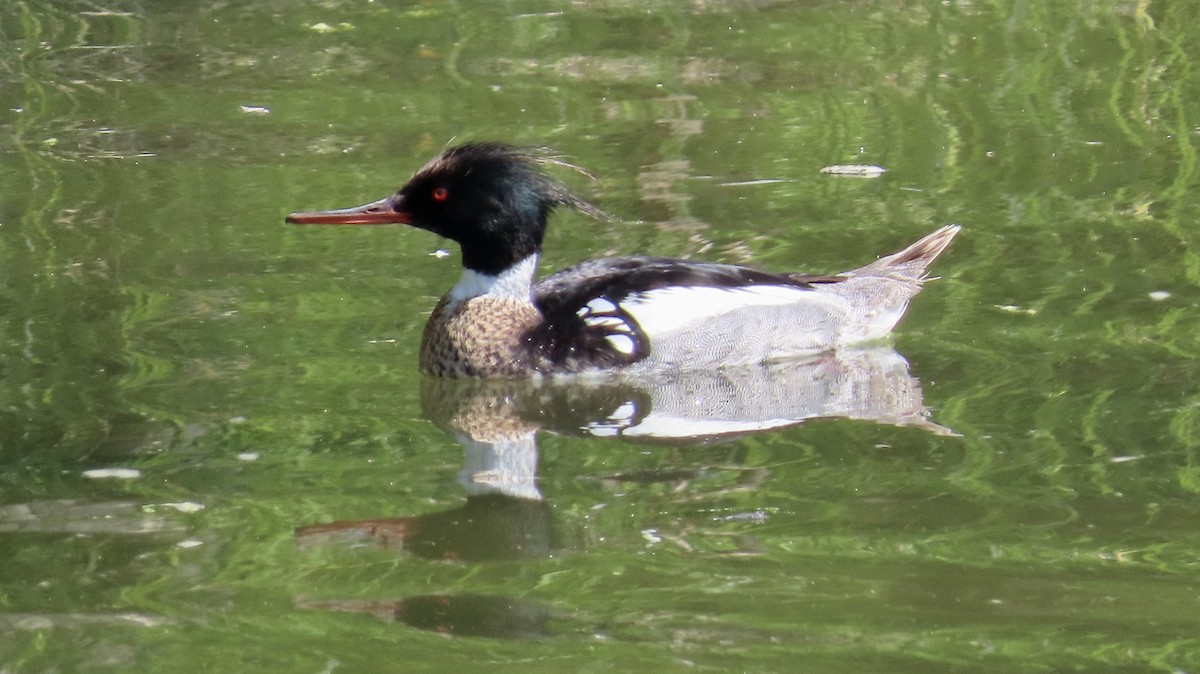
(617, 313)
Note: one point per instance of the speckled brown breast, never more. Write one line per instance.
(478, 337)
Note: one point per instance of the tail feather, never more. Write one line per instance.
(910, 264)
(878, 293)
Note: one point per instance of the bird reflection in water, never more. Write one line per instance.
(505, 516)
(467, 615)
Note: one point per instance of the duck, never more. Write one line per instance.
(631, 314)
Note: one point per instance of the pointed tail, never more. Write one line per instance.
(910, 264)
(878, 293)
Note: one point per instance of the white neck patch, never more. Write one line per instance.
(516, 283)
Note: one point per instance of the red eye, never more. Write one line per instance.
(440, 194)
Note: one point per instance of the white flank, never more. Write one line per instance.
(671, 308)
(515, 283)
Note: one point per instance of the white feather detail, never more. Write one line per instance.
(602, 312)
(599, 305)
(515, 282)
(622, 343)
(615, 322)
(671, 308)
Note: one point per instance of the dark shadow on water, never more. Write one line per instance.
(491, 527)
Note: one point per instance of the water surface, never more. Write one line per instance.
(293, 497)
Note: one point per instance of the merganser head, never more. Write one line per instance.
(489, 197)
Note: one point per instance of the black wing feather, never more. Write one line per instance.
(616, 278)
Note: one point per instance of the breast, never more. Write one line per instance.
(478, 337)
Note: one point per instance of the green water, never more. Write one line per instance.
(158, 316)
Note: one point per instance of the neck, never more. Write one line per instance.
(516, 283)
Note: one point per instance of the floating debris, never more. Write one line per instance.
(118, 473)
(45, 621)
(323, 27)
(255, 109)
(188, 507)
(854, 170)
(651, 536)
(66, 516)
(756, 516)
(751, 183)
(1159, 295)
